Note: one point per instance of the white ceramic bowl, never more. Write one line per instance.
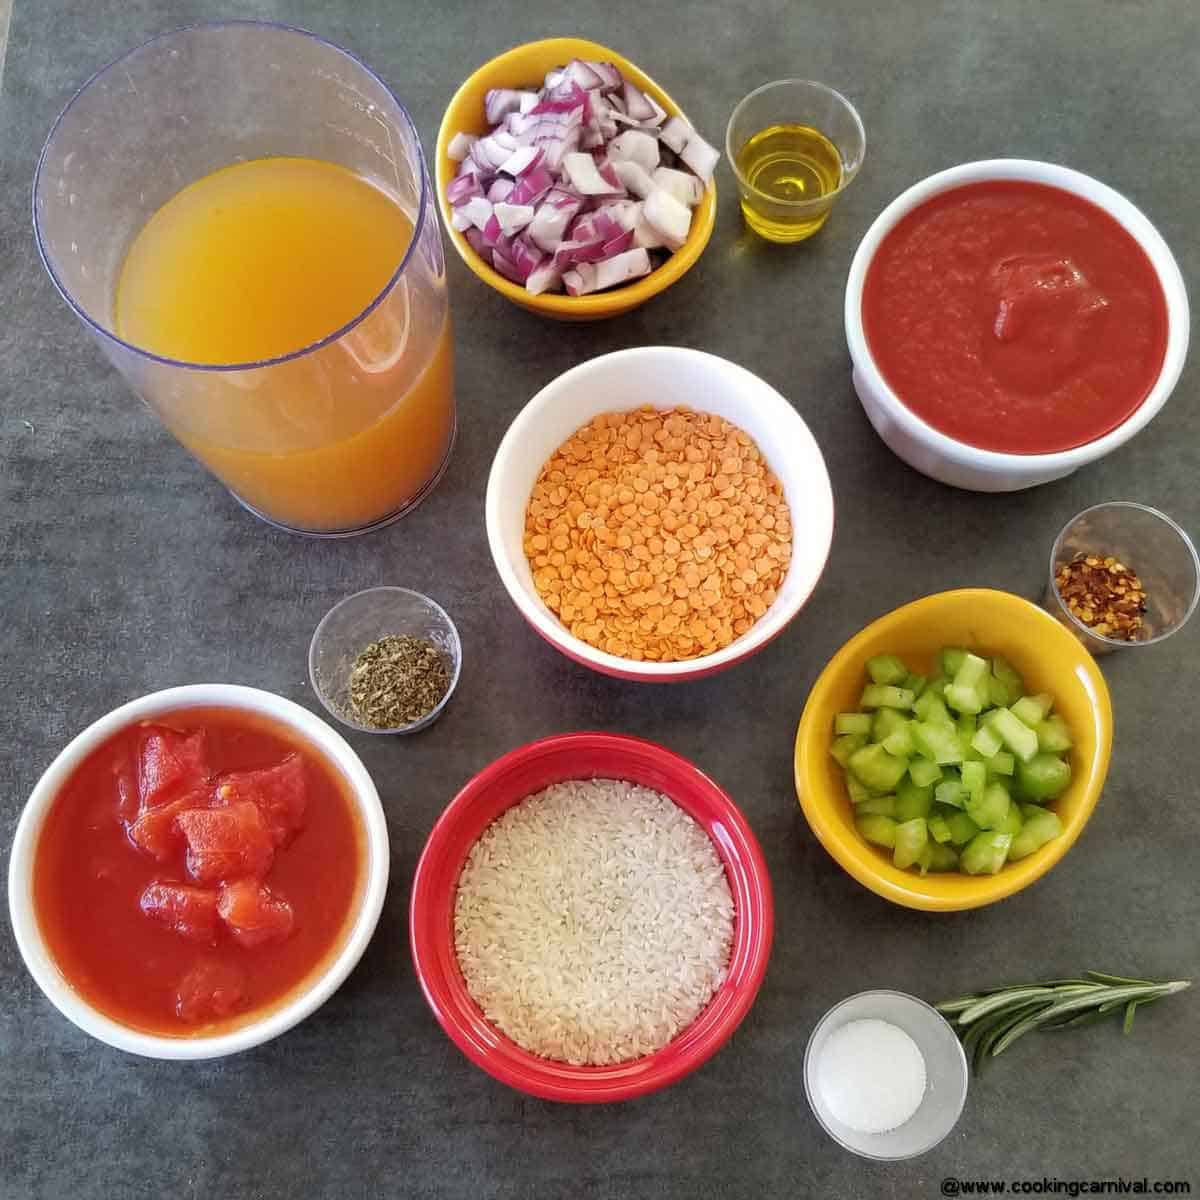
(954, 462)
(661, 377)
(276, 1020)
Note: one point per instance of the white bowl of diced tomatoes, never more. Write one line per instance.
(224, 851)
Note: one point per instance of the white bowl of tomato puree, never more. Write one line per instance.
(1010, 320)
(198, 871)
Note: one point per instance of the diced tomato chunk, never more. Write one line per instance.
(190, 911)
(169, 761)
(254, 914)
(209, 991)
(281, 793)
(226, 843)
(156, 831)
(128, 800)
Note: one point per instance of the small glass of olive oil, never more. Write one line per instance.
(795, 145)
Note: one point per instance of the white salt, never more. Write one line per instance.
(871, 1075)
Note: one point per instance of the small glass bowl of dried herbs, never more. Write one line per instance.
(385, 660)
(1122, 574)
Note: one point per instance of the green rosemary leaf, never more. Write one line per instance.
(1127, 1024)
(1102, 978)
(989, 1021)
(1003, 1000)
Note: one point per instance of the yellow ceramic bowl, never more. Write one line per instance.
(526, 66)
(1049, 658)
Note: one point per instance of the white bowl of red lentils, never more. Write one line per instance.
(659, 513)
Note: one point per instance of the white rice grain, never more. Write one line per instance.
(593, 922)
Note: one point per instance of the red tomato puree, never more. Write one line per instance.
(1015, 317)
(197, 869)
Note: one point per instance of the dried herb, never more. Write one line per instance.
(397, 680)
(1104, 594)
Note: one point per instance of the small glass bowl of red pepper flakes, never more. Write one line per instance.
(1122, 574)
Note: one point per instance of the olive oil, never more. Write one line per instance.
(797, 170)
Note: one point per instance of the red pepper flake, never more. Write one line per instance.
(1103, 594)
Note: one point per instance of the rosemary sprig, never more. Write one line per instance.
(991, 1020)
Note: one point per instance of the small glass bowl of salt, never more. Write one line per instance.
(885, 1075)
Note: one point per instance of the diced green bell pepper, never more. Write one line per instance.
(939, 827)
(923, 771)
(876, 695)
(842, 747)
(1044, 776)
(962, 828)
(912, 801)
(911, 838)
(878, 769)
(1033, 710)
(1041, 826)
(990, 809)
(856, 722)
(876, 806)
(1015, 734)
(937, 742)
(943, 858)
(985, 853)
(952, 658)
(932, 709)
(1054, 737)
(886, 668)
(880, 831)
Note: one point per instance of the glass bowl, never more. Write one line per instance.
(1149, 543)
(946, 1074)
(354, 623)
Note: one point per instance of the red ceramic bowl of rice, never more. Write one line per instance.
(549, 769)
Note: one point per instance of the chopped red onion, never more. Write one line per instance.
(506, 267)
(585, 177)
(684, 186)
(625, 213)
(621, 268)
(676, 133)
(476, 242)
(522, 161)
(499, 102)
(700, 156)
(635, 145)
(478, 211)
(532, 187)
(544, 278)
(610, 76)
(668, 217)
(660, 113)
(513, 217)
(618, 244)
(460, 146)
(580, 280)
(583, 74)
(463, 188)
(544, 195)
(563, 100)
(549, 225)
(500, 190)
(636, 104)
(526, 257)
(646, 236)
(492, 233)
(634, 178)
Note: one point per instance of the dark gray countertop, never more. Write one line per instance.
(125, 568)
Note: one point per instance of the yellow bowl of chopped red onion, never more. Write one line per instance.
(571, 182)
